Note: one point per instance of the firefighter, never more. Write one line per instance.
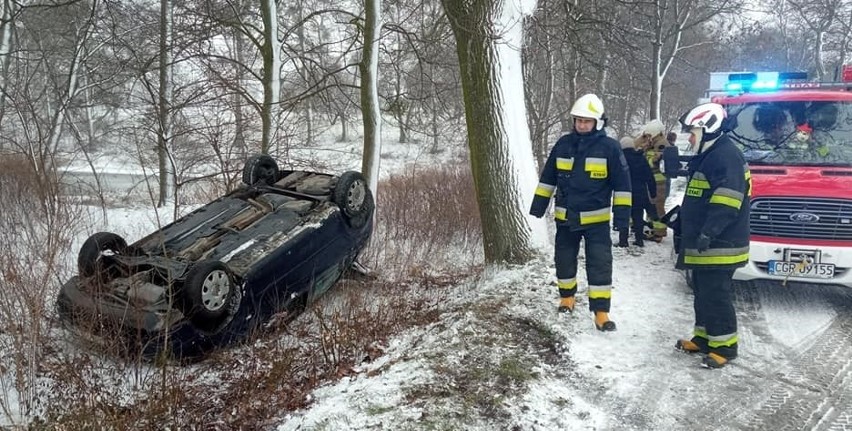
(644, 191)
(715, 233)
(587, 174)
(654, 142)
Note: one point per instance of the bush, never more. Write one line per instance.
(37, 228)
(425, 220)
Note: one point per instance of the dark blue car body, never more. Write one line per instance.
(276, 245)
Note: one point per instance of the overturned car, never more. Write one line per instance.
(210, 278)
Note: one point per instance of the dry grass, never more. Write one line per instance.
(65, 383)
(427, 222)
(37, 227)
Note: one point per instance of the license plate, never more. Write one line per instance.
(797, 269)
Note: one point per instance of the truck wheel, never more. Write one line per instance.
(207, 294)
(354, 198)
(260, 168)
(96, 255)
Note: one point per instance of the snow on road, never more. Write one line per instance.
(628, 379)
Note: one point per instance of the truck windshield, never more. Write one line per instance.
(815, 133)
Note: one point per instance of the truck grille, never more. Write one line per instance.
(829, 219)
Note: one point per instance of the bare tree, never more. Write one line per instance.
(7, 23)
(271, 53)
(164, 113)
(819, 16)
(370, 112)
(667, 20)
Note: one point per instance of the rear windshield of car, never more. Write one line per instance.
(815, 133)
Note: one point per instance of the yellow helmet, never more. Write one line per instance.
(589, 106)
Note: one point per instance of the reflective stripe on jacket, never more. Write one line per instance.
(589, 178)
(716, 203)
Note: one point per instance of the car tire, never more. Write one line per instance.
(354, 198)
(95, 257)
(260, 168)
(207, 294)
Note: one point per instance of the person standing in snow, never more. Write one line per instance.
(588, 175)
(654, 142)
(643, 190)
(714, 219)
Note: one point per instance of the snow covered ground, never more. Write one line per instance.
(502, 358)
(568, 375)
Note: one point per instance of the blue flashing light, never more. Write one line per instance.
(764, 85)
(733, 86)
(757, 81)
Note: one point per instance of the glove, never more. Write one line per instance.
(702, 243)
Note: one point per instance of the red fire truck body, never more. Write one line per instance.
(797, 138)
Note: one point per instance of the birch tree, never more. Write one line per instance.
(819, 16)
(271, 52)
(370, 113)
(164, 112)
(489, 34)
(667, 21)
(7, 22)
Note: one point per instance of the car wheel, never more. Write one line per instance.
(260, 167)
(207, 294)
(354, 198)
(96, 254)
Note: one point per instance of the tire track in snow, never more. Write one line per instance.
(814, 391)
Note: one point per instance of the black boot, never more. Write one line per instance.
(622, 238)
(640, 241)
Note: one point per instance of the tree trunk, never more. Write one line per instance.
(344, 126)
(271, 72)
(164, 107)
(6, 24)
(369, 67)
(498, 164)
(239, 117)
(306, 80)
(818, 55)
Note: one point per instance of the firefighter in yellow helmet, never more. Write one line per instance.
(588, 176)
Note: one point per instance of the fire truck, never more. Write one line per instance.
(797, 138)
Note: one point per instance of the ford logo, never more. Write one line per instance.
(804, 217)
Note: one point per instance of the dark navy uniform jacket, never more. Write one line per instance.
(716, 203)
(589, 177)
(641, 178)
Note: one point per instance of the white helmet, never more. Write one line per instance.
(653, 128)
(589, 106)
(710, 120)
(708, 116)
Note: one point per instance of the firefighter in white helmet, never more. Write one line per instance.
(714, 230)
(587, 174)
